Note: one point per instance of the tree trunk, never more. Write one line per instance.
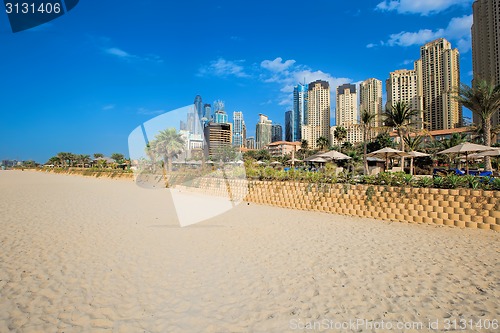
(487, 142)
(402, 145)
(365, 160)
(166, 168)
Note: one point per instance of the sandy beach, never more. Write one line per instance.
(88, 255)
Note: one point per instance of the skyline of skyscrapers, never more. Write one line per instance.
(428, 88)
(486, 45)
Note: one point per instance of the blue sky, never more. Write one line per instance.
(84, 81)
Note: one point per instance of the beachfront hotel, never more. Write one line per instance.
(347, 105)
(440, 77)
(486, 45)
(318, 113)
(403, 85)
(370, 99)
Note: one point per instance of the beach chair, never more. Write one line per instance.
(458, 172)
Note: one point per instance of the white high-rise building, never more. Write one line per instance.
(403, 85)
(238, 125)
(318, 113)
(347, 105)
(263, 131)
(440, 78)
(370, 99)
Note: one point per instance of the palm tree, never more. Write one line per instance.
(367, 119)
(322, 143)
(97, 155)
(304, 144)
(168, 144)
(340, 134)
(399, 117)
(478, 131)
(85, 159)
(483, 99)
(65, 158)
(54, 160)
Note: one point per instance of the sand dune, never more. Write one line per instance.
(88, 255)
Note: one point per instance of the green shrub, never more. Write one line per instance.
(438, 182)
(424, 182)
(453, 181)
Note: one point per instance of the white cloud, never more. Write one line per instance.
(108, 107)
(369, 46)
(420, 37)
(223, 68)
(117, 52)
(148, 112)
(457, 32)
(288, 74)
(277, 65)
(422, 7)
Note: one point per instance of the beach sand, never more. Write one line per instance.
(88, 255)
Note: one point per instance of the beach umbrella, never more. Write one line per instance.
(294, 160)
(492, 153)
(334, 155)
(239, 162)
(260, 162)
(316, 159)
(386, 153)
(466, 148)
(275, 163)
(412, 154)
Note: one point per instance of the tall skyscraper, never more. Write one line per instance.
(239, 123)
(299, 110)
(317, 123)
(263, 131)
(250, 142)
(404, 85)
(347, 105)
(486, 45)
(276, 133)
(220, 117)
(198, 115)
(440, 77)
(216, 137)
(289, 126)
(370, 99)
(207, 111)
